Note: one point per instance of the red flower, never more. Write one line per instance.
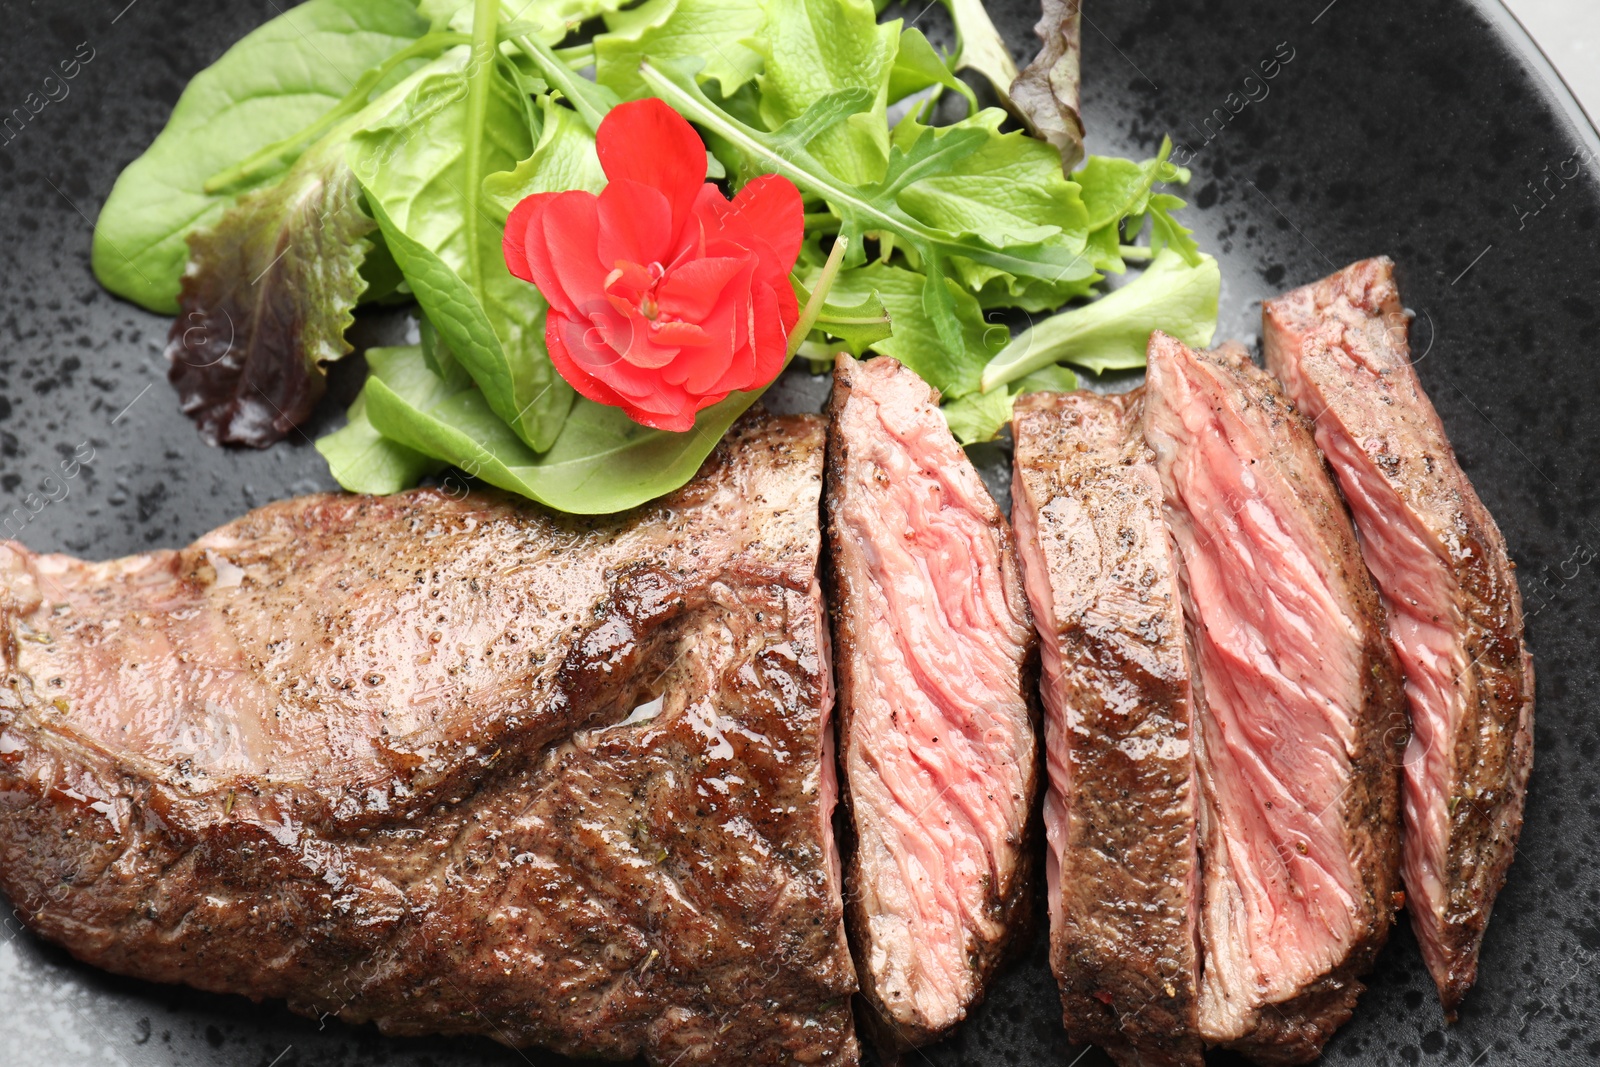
(664, 296)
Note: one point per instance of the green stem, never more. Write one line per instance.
(480, 75)
(577, 56)
(819, 295)
(280, 154)
(822, 221)
(1134, 252)
(562, 77)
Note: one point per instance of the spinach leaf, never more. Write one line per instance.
(272, 84)
(420, 176)
(603, 462)
(363, 460)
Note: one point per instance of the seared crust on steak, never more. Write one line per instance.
(451, 765)
(1103, 579)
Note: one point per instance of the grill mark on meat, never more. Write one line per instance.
(378, 757)
(1120, 815)
(1454, 607)
(937, 733)
(1299, 743)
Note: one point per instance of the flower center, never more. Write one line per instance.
(635, 285)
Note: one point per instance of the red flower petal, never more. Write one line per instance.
(771, 207)
(561, 252)
(648, 142)
(635, 224)
(679, 333)
(516, 235)
(691, 290)
(557, 327)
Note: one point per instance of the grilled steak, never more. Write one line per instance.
(1455, 613)
(938, 749)
(451, 765)
(1300, 739)
(1103, 579)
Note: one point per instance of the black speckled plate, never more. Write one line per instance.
(1431, 130)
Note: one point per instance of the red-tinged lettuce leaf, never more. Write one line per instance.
(266, 299)
(1045, 94)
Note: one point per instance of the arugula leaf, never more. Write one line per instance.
(1119, 195)
(1113, 332)
(602, 463)
(266, 300)
(914, 341)
(419, 178)
(1046, 92)
(272, 84)
(669, 29)
(363, 460)
(814, 48)
(875, 208)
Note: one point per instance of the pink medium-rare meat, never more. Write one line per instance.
(1122, 867)
(933, 652)
(1455, 613)
(452, 766)
(1299, 753)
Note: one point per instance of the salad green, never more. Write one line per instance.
(287, 188)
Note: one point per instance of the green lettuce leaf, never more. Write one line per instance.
(1112, 333)
(272, 84)
(362, 459)
(563, 159)
(979, 417)
(980, 46)
(602, 463)
(669, 29)
(815, 48)
(1009, 187)
(913, 340)
(421, 182)
(917, 66)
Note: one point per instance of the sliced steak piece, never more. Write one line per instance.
(1455, 613)
(453, 766)
(1120, 815)
(1300, 742)
(933, 648)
